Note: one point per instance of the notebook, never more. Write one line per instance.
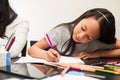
(64, 59)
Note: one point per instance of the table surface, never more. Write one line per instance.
(38, 71)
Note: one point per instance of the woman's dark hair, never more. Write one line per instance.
(107, 26)
(5, 12)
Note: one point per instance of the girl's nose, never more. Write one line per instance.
(82, 35)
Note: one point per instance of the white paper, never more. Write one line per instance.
(69, 77)
(67, 59)
(64, 59)
(30, 60)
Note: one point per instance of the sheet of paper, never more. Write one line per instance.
(69, 77)
(64, 59)
(67, 59)
(30, 60)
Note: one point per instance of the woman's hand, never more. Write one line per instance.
(52, 55)
(85, 55)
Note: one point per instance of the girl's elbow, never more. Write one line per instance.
(30, 51)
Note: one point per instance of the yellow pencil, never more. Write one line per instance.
(107, 71)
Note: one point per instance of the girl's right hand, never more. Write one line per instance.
(52, 55)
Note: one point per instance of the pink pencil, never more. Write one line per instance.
(51, 45)
(65, 71)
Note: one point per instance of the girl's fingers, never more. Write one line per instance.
(53, 55)
(81, 56)
(85, 57)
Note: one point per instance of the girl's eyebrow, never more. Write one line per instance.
(86, 30)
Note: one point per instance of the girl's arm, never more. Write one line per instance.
(112, 53)
(102, 53)
(38, 50)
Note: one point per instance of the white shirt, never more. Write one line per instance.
(21, 28)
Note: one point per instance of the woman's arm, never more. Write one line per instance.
(38, 51)
(21, 29)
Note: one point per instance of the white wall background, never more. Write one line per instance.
(46, 14)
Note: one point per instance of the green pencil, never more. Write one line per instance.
(9, 40)
(111, 67)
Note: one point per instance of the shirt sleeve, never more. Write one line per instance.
(58, 35)
(105, 46)
(97, 45)
(20, 28)
(21, 38)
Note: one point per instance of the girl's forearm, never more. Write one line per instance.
(109, 53)
(34, 51)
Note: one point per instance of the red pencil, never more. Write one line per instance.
(75, 68)
(11, 43)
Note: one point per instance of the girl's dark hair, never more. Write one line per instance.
(107, 26)
(5, 12)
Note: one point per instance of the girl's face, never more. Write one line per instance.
(86, 30)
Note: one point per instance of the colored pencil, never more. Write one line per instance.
(11, 43)
(107, 71)
(65, 71)
(50, 43)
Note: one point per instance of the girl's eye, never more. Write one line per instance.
(83, 29)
